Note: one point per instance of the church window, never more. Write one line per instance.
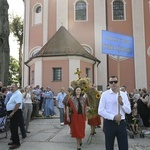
(37, 14)
(38, 9)
(57, 74)
(118, 10)
(80, 10)
(88, 72)
(32, 77)
(88, 48)
(34, 51)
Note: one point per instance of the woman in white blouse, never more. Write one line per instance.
(28, 107)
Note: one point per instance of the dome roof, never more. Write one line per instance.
(63, 44)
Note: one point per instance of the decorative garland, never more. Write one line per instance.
(92, 95)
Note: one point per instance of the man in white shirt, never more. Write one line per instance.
(114, 121)
(14, 108)
(59, 102)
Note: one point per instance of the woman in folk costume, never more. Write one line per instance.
(92, 97)
(77, 118)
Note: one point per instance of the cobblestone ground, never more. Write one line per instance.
(47, 134)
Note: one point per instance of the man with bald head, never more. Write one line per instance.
(14, 107)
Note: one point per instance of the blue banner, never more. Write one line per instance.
(117, 44)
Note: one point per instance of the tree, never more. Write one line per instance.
(4, 42)
(16, 27)
(13, 71)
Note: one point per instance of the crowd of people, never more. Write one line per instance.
(21, 105)
(24, 104)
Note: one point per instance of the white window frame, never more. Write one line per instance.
(34, 12)
(88, 72)
(88, 48)
(75, 10)
(148, 51)
(124, 6)
(34, 51)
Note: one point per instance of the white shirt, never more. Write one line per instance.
(60, 97)
(15, 99)
(108, 105)
(27, 99)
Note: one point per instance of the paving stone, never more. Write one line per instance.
(47, 134)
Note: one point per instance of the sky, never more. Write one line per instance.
(16, 7)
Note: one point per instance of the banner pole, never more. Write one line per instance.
(118, 69)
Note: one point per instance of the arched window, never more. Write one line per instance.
(118, 10)
(37, 14)
(88, 48)
(38, 9)
(148, 51)
(34, 51)
(80, 10)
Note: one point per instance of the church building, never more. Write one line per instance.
(61, 36)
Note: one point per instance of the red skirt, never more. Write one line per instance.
(77, 126)
(94, 121)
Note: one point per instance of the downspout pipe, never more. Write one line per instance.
(28, 74)
(93, 71)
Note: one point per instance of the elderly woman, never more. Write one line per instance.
(28, 106)
(49, 102)
(35, 102)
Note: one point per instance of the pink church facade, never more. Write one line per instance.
(85, 20)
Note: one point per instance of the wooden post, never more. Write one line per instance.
(118, 69)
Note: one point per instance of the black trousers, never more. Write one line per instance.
(145, 119)
(14, 121)
(112, 130)
(21, 124)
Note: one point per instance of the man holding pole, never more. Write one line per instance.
(114, 116)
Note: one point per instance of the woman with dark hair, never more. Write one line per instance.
(77, 104)
(142, 106)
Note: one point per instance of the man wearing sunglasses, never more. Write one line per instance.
(114, 122)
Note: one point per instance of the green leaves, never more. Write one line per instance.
(13, 76)
(16, 27)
